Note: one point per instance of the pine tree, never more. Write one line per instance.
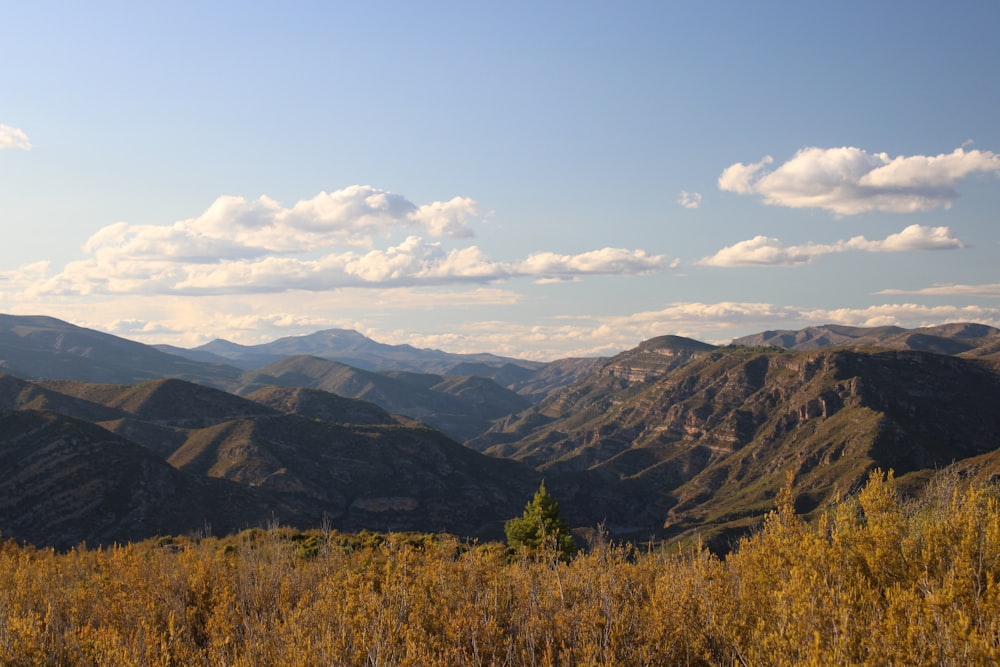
(541, 527)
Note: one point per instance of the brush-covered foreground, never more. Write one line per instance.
(873, 581)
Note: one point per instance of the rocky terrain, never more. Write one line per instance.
(706, 445)
(114, 462)
(672, 438)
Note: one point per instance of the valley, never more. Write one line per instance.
(107, 440)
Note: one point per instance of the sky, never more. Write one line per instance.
(538, 180)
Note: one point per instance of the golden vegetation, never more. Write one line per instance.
(873, 581)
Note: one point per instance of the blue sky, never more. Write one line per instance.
(532, 179)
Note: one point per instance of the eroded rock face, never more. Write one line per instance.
(720, 431)
(653, 359)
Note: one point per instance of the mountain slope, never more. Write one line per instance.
(709, 443)
(156, 452)
(379, 477)
(590, 398)
(322, 405)
(461, 407)
(44, 347)
(165, 400)
(63, 481)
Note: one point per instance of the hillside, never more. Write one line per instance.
(460, 406)
(610, 381)
(136, 460)
(64, 481)
(47, 348)
(707, 445)
(322, 405)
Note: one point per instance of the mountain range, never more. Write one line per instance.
(346, 346)
(461, 403)
(103, 439)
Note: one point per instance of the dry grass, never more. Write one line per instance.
(873, 582)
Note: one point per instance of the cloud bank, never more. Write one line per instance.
(12, 137)
(767, 251)
(240, 246)
(710, 322)
(849, 181)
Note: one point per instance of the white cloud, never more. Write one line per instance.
(234, 227)
(447, 218)
(767, 251)
(764, 251)
(140, 327)
(741, 178)
(914, 237)
(603, 261)
(412, 262)
(848, 180)
(989, 290)
(240, 246)
(689, 199)
(12, 137)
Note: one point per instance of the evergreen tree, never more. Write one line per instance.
(541, 527)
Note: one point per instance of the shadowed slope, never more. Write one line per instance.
(460, 406)
(63, 481)
(384, 477)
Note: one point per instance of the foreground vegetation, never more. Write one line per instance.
(873, 581)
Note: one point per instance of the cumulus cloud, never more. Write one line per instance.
(12, 137)
(240, 246)
(848, 180)
(768, 251)
(415, 261)
(689, 199)
(237, 228)
(603, 261)
(764, 251)
(914, 237)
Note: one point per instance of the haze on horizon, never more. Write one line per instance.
(532, 181)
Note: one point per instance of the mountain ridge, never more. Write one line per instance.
(953, 338)
(354, 349)
(670, 438)
(268, 463)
